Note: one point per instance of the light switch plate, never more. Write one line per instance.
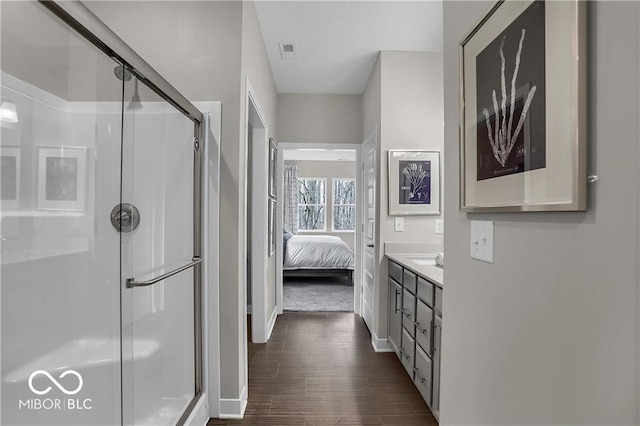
(482, 240)
(398, 225)
(439, 226)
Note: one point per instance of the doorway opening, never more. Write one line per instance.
(321, 228)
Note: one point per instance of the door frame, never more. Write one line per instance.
(371, 135)
(256, 221)
(357, 281)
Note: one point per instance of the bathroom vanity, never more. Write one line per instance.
(415, 321)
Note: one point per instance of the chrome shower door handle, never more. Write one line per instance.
(131, 282)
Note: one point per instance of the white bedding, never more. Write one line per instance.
(317, 252)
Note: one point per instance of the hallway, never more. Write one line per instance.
(320, 369)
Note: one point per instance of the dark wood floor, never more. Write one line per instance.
(320, 369)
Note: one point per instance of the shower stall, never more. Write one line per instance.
(100, 290)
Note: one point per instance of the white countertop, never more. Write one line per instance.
(431, 272)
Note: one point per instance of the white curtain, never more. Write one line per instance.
(291, 198)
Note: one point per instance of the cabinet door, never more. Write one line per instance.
(424, 321)
(437, 338)
(408, 312)
(423, 372)
(395, 316)
(407, 351)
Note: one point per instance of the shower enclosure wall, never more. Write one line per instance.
(100, 228)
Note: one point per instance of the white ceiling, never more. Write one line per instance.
(337, 42)
(312, 154)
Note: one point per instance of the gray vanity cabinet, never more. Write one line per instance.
(395, 315)
(415, 327)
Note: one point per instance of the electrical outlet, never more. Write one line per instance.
(439, 226)
(399, 224)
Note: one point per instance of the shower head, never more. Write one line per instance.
(135, 102)
(122, 73)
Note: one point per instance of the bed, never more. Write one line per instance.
(316, 255)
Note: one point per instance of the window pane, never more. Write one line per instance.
(310, 217)
(311, 191)
(344, 191)
(344, 218)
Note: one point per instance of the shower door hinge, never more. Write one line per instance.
(196, 144)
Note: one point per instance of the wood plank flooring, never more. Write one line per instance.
(320, 369)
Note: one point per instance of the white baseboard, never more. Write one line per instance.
(272, 322)
(200, 414)
(380, 345)
(234, 408)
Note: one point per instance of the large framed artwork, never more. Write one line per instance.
(273, 151)
(62, 175)
(10, 184)
(414, 183)
(523, 108)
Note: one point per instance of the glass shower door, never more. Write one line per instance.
(60, 151)
(159, 360)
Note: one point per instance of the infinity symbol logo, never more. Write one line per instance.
(55, 382)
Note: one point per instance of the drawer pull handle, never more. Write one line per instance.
(420, 329)
(406, 313)
(417, 371)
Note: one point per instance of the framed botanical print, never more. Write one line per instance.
(62, 175)
(523, 107)
(414, 183)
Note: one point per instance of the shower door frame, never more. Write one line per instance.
(81, 19)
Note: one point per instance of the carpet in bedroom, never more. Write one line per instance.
(317, 294)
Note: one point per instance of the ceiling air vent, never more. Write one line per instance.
(288, 51)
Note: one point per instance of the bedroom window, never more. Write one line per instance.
(344, 204)
(311, 204)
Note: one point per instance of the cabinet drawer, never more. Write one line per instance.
(407, 351)
(422, 374)
(438, 300)
(409, 281)
(409, 312)
(395, 271)
(424, 320)
(425, 291)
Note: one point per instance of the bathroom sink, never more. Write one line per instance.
(422, 261)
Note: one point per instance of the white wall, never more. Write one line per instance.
(548, 334)
(328, 170)
(320, 118)
(404, 99)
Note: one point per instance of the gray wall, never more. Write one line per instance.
(404, 101)
(328, 170)
(548, 334)
(320, 118)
